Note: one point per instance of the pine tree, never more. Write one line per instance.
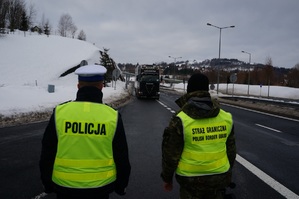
(108, 63)
(82, 35)
(24, 23)
(47, 28)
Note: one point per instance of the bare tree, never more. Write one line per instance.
(293, 80)
(15, 11)
(269, 72)
(42, 24)
(73, 30)
(4, 7)
(31, 14)
(66, 26)
(43, 20)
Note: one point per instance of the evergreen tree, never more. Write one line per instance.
(47, 28)
(109, 64)
(24, 23)
(82, 35)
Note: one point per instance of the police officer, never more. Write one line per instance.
(84, 148)
(199, 144)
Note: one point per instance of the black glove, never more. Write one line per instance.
(120, 192)
(48, 189)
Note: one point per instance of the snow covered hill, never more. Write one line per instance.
(28, 65)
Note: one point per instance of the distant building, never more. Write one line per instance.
(36, 29)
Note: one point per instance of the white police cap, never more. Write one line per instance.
(91, 73)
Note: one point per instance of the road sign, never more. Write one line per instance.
(116, 73)
(212, 87)
(233, 78)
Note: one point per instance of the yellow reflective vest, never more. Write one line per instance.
(84, 157)
(205, 145)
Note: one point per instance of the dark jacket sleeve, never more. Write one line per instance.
(231, 147)
(121, 158)
(172, 148)
(48, 153)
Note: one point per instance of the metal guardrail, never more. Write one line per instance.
(276, 101)
(176, 81)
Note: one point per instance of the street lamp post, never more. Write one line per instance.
(174, 58)
(248, 69)
(220, 28)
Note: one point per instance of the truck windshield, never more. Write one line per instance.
(150, 78)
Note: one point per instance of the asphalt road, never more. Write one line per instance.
(270, 144)
(19, 154)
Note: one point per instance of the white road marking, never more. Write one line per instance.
(268, 128)
(41, 195)
(267, 179)
(172, 111)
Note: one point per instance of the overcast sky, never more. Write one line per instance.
(149, 31)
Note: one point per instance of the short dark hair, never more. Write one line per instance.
(94, 84)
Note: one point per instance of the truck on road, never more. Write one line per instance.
(147, 81)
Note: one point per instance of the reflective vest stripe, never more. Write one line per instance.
(85, 176)
(83, 163)
(204, 156)
(205, 167)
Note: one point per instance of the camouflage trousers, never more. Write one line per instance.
(203, 187)
(188, 194)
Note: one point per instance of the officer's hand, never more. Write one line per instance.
(48, 189)
(168, 186)
(120, 192)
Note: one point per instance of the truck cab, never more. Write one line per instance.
(147, 81)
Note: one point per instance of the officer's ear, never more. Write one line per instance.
(101, 85)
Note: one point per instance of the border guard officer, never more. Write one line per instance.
(199, 144)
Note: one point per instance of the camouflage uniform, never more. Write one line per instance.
(197, 105)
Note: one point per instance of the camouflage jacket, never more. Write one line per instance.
(197, 105)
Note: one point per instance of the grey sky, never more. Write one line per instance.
(148, 31)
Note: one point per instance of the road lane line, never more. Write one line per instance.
(41, 195)
(268, 128)
(170, 109)
(267, 179)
